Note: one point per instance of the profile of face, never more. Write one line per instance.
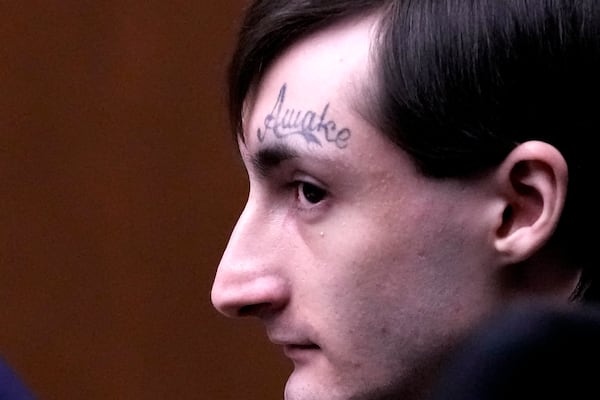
(364, 271)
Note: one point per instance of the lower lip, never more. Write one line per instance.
(300, 352)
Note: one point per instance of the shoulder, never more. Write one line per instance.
(529, 351)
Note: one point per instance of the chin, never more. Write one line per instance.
(309, 385)
(316, 385)
(304, 387)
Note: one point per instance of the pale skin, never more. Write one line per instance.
(363, 270)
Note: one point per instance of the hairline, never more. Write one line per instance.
(365, 102)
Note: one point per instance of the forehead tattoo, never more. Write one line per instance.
(282, 122)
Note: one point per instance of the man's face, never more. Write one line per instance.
(363, 270)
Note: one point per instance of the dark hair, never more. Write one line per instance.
(461, 82)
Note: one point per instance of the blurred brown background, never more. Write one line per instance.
(119, 186)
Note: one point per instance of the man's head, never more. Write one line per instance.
(409, 167)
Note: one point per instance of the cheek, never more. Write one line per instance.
(418, 257)
(365, 261)
(408, 246)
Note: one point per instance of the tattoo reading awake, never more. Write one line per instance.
(283, 123)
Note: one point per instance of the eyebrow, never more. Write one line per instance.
(268, 158)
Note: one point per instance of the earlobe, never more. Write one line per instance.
(533, 180)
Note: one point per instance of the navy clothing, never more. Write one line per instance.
(11, 385)
(529, 352)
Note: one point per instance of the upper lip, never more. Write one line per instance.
(291, 342)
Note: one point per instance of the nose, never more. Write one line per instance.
(250, 279)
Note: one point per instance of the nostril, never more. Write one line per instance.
(252, 310)
(246, 311)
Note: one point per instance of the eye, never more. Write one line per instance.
(307, 192)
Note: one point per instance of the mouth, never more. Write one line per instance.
(300, 352)
(296, 343)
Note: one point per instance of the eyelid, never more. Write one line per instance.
(304, 177)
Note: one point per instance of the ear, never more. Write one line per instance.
(532, 181)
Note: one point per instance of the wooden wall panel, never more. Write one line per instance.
(119, 186)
